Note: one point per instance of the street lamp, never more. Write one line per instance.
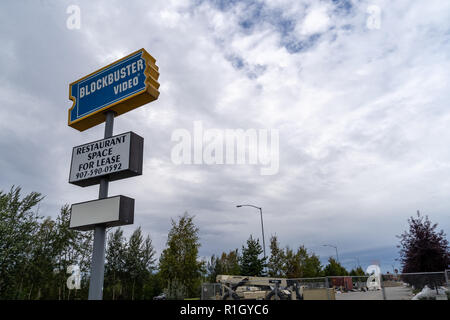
(262, 225)
(329, 245)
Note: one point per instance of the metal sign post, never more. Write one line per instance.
(98, 254)
(121, 86)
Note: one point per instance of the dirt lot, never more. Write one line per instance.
(392, 293)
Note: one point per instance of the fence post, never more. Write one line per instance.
(202, 288)
(446, 277)
(382, 286)
(327, 286)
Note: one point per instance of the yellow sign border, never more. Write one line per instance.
(134, 101)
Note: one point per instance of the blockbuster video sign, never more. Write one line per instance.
(115, 89)
(120, 86)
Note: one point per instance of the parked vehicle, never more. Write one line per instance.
(162, 296)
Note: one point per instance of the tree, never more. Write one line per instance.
(292, 265)
(72, 248)
(35, 252)
(19, 223)
(301, 264)
(39, 279)
(357, 272)
(334, 268)
(250, 263)
(226, 264)
(133, 259)
(230, 262)
(114, 267)
(129, 266)
(313, 267)
(138, 262)
(423, 249)
(277, 258)
(213, 268)
(178, 264)
(149, 282)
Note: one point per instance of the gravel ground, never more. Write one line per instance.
(399, 293)
(392, 293)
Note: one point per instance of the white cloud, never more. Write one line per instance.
(316, 21)
(362, 114)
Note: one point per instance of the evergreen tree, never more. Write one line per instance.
(334, 268)
(313, 267)
(357, 272)
(277, 258)
(292, 263)
(250, 263)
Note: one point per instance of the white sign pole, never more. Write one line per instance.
(98, 254)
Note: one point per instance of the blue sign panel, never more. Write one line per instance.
(121, 86)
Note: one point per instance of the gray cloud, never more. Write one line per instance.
(362, 114)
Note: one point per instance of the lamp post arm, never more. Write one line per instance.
(249, 205)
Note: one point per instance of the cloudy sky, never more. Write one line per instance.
(358, 91)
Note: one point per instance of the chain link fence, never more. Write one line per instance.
(406, 286)
(416, 286)
(211, 291)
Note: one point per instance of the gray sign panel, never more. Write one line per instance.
(111, 212)
(117, 157)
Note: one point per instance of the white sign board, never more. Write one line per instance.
(113, 211)
(118, 157)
